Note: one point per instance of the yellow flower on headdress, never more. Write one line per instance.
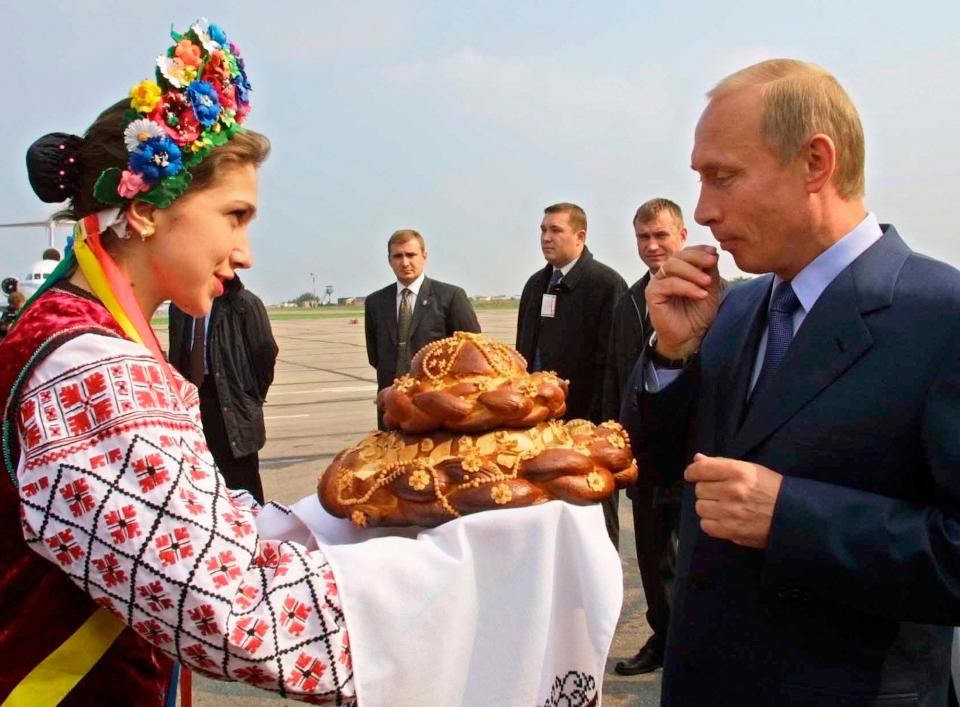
(145, 96)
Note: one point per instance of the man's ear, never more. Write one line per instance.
(820, 156)
(141, 218)
(683, 235)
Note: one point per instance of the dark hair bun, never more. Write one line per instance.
(53, 166)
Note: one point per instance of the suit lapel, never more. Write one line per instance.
(388, 312)
(832, 337)
(423, 302)
(733, 388)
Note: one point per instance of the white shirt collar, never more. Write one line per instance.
(565, 270)
(414, 287)
(810, 282)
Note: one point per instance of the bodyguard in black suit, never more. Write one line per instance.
(659, 230)
(566, 312)
(819, 559)
(397, 329)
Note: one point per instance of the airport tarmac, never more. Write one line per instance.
(321, 401)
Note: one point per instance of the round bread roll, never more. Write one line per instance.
(391, 478)
(469, 383)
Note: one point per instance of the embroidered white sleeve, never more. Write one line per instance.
(118, 489)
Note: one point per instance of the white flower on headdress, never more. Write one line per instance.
(201, 28)
(175, 71)
(140, 130)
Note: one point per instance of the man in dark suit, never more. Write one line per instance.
(819, 559)
(566, 312)
(407, 315)
(659, 230)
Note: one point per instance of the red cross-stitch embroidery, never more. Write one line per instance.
(149, 388)
(222, 568)
(150, 472)
(253, 674)
(238, 524)
(174, 546)
(198, 655)
(67, 549)
(245, 597)
(190, 500)
(331, 583)
(156, 597)
(346, 657)
(123, 524)
(205, 619)
(248, 634)
(109, 568)
(32, 489)
(294, 615)
(307, 673)
(78, 497)
(152, 631)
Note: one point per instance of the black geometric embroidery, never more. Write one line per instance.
(575, 689)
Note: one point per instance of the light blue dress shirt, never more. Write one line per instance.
(808, 285)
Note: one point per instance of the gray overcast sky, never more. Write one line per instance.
(463, 120)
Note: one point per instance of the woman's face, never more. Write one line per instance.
(201, 240)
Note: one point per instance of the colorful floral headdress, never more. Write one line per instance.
(199, 99)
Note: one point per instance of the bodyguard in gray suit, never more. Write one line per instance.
(407, 315)
(819, 408)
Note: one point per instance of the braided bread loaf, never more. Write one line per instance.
(391, 478)
(468, 383)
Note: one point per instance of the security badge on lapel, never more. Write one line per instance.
(548, 306)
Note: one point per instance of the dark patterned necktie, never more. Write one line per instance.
(783, 305)
(555, 277)
(403, 332)
(196, 352)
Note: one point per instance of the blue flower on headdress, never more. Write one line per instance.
(217, 34)
(156, 159)
(242, 86)
(205, 101)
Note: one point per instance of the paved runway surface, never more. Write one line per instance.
(322, 401)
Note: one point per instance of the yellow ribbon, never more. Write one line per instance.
(57, 674)
(92, 270)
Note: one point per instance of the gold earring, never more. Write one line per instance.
(146, 232)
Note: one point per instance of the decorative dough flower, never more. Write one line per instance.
(501, 494)
(595, 481)
(419, 479)
(359, 519)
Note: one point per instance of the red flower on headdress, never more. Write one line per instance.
(217, 70)
(228, 95)
(175, 114)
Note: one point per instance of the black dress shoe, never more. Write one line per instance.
(648, 659)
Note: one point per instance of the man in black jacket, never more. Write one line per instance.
(658, 226)
(408, 314)
(230, 356)
(566, 312)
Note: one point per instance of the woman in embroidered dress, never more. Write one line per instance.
(121, 548)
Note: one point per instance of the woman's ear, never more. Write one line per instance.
(140, 218)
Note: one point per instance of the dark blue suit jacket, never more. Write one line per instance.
(851, 601)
